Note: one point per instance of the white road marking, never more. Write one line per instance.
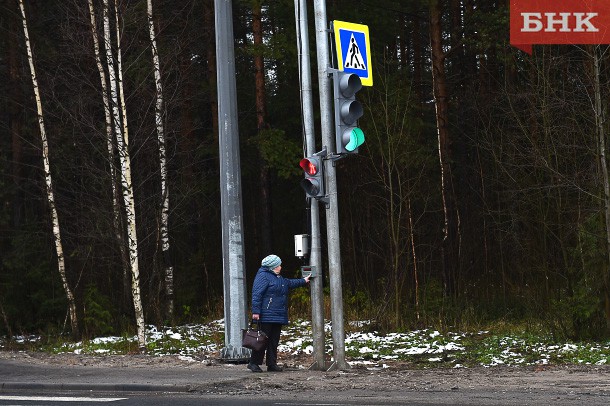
(59, 399)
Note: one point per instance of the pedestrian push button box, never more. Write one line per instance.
(308, 270)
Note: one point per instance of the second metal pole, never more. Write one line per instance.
(315, 255)
(332, 209)
(234, 275)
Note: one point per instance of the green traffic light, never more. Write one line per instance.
(356, 139)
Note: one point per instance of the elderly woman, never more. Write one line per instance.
(270, 309)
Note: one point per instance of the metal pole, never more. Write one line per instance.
(234, 279)
(332, 209)
(315, 255)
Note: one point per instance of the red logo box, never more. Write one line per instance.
(559, 22)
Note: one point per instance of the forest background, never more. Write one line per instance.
(480, 196)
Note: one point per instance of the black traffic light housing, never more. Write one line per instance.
(348, 110)
(313, 168)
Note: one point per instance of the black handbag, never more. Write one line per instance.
(255, 339)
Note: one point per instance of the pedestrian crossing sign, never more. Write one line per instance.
(353, 50)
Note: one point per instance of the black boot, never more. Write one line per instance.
(254, 368)
(274, 368)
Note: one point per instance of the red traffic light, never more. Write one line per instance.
(313, 168)
(309, 166)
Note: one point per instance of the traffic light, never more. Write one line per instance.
(347, 112)
(313, 184)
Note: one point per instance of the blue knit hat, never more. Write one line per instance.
(271, 261)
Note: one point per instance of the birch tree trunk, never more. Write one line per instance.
(116, 204)
(120, 128)
(49, 181)
(123, 122)
(163, 227)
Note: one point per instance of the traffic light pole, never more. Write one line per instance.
(234, 278)
(332, 209)
(315, 254)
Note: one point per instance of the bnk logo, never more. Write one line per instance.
(559, 22)
(563, 22)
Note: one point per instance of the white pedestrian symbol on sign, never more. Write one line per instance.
(354, 57)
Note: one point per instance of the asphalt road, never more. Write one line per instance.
(181, 401)
(90, 398)
(152, 381)
(157, 399)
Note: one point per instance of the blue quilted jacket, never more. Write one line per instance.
(270, 295)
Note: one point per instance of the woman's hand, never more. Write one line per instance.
(307, 279)
(255, 317)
